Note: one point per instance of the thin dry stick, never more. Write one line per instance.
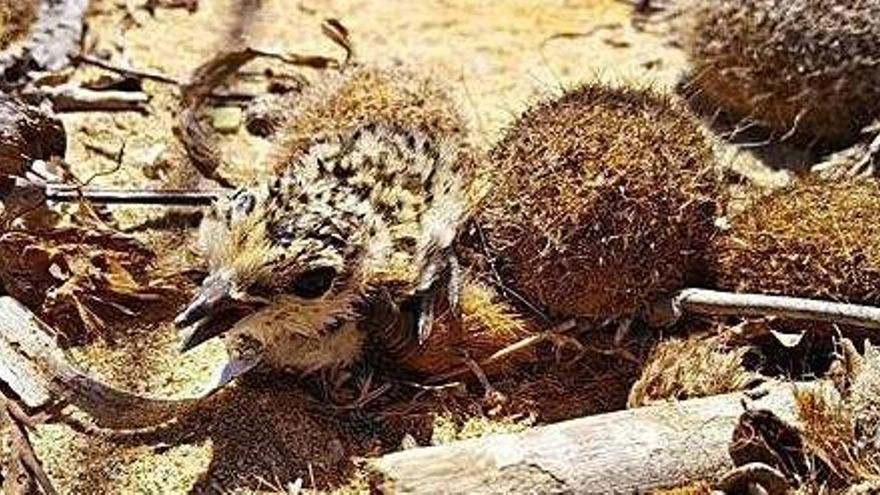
(70, 98)
(712, 302)
(126, 71)
(74, 193)
(174, 197)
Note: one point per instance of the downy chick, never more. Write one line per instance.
(370, 211)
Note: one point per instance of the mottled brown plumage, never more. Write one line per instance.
(366, 212)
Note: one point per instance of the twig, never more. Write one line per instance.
(126, 71)
(191, 6)
(68, 98)
(73, 193)
(178, 197)
(718, 303)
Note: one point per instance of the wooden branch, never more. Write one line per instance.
(718, 303)
(633, 451)
(69, 98)
(24, 463)
(174, 197)
(38, 371)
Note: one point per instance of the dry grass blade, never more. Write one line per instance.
(338, 33)
(698, 366)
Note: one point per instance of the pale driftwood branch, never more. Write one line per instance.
(73, 193)
(69, 98)
(175, 197)
(631, 451)
(38, 371)
(711, 302)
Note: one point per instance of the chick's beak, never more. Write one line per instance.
(213, 311)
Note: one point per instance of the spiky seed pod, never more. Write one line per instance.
(815, 239)
(489, 324)
(605, 200)
(367, 94)
(809, 68)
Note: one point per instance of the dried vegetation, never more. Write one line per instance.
(814, 239)
(804, 68)
(605, 199)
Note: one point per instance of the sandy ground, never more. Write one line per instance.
(497, 57)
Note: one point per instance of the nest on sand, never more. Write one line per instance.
(815, 239)
(604, 200)
(803, 68)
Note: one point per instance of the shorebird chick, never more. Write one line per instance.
(365, 213)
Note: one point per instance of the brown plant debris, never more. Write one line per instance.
(762, 437)
(806, 68)
(27, 133)
(489, 325)
(698, 366)
(24, 473)
(815, 239)
(605, 200)
(84, 279)
(841, 423)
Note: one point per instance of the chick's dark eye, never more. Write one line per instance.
(313, 283)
